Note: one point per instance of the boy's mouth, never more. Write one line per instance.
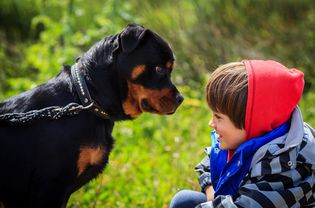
(219, 136)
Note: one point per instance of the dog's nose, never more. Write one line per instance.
(179, 99)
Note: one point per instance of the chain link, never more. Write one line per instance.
(51, 113)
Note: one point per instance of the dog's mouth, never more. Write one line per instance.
(145, 106)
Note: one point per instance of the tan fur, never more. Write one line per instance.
(137, 92)
(169, 65)
(131, 106)
(137, 71)
(89, 156)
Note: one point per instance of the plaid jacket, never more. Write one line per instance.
(282, 172)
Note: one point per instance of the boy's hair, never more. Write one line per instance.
(226, 92)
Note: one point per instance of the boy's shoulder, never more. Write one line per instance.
(306, 148)
(309, 131)
(281, 155)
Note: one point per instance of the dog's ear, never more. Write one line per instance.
(131, 36)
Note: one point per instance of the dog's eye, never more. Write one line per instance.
(159, 70)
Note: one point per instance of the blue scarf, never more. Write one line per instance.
(227, 176)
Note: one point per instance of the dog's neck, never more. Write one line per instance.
(105, 83)
(79, 82)
(106, 88)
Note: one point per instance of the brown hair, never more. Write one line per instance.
(226, 92)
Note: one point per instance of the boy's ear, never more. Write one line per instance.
(131, 36)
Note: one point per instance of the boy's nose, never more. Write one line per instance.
(211, 123)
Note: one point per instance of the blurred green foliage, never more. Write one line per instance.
(154, 156)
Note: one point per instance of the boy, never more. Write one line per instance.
(262, 153)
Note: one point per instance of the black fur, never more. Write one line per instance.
(39, 161)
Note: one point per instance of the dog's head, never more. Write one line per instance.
(146, 62)
(142, 63)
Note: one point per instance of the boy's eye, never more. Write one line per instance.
(217, 116)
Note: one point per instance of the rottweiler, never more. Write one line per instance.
(45, 156)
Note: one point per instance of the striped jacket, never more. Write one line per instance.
(282, 172)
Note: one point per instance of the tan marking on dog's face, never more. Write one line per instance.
(169, 65)
(137, 71)
(131, 106)
(89, 156)
(162, 101)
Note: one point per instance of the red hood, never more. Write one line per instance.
(273, 93)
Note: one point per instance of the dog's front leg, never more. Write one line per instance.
(49, 194)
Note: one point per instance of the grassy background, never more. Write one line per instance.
(154, 156)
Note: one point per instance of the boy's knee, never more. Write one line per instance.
(187, 199)
(178, 199)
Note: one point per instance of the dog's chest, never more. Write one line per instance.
(91, 157)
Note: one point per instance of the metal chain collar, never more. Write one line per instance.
(51, 113)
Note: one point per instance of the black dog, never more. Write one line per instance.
(47, 152)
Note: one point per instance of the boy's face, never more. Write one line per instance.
(229, 136)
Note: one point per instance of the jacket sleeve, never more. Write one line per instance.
(203, 169)
(289, 189)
